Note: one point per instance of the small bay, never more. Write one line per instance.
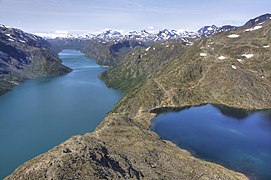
(41, 113)
(234, 138)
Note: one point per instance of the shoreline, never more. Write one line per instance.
(142, 119)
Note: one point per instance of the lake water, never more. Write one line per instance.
(234, 138)
(41, 113)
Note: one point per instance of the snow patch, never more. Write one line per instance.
(253, 29)
(247, 55)
(22, 41)
(14, 82)
(167, 45)
(210, 28)
(240, 60)
(10, 39)
(266, 46)
(8, 35)
(221, 57)
(203, 54)
(233, 67)
(153, 48)
(147, 49)
(233, 36)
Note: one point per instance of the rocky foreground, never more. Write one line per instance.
(232, 68)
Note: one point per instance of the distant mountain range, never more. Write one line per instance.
(144, 35)
(113, 35)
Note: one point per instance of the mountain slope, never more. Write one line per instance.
(231, 68)
(257, 20)
(109, 53)
(218, 69)
(25, 56)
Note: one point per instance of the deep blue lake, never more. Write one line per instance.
(41, 113)
(234, 138)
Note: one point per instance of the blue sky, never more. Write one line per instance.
(94, 15)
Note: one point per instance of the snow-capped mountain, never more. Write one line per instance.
(65, 35)
(144, 35)
(113, 35)
(110, 34)
(257, 20)
(208, 30)
(18, 36)
(211, 30)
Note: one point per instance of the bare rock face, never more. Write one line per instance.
(24, 56)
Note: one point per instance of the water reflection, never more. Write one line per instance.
(234, 112)
(235, 138)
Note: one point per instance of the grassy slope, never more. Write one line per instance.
(178, 77)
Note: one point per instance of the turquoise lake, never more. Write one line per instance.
(41, 113)
(234, 138)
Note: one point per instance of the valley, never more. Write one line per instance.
(228, 67)
(49, 110)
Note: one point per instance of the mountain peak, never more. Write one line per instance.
(257, 20)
